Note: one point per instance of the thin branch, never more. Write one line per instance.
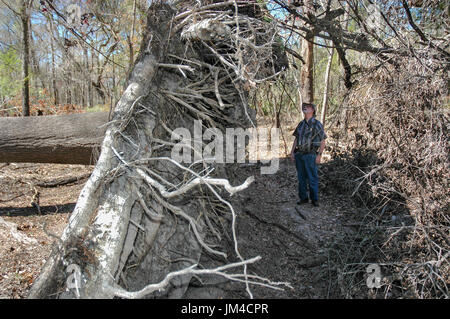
(419, 31)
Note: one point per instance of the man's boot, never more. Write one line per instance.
(303, 201)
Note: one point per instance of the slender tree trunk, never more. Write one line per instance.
(92, 100)
(345, 112)
(54, 87)
(130, 38)
(53, 67)
(34, 60)
(26, 60)
(326, 87)
(307, 70)
(114, 89)
(83, 94)
(68, 91)
(88, 84)
(69, 83)
(98, 88)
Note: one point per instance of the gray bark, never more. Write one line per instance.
(326, 87)
(62, 139)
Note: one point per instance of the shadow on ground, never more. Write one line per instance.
(32, 211)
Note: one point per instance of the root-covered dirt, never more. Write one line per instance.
(292, 240)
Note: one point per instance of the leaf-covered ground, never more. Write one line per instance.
(24, 245)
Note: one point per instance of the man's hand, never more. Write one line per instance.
(318, 158)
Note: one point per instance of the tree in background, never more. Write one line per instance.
(25, 19)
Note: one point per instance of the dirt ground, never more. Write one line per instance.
(291, 239)
(24, 245)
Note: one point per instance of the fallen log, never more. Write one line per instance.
(62, 181)
(60, 139)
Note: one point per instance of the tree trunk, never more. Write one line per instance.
(307, 70)
(26, 60)
(88, 84)
(34, 61)
(69, 83)
(134, 227)
(326, 87)
(114, 88)
(62, 139)
(130, 39)
(52, 48)
(91, 69)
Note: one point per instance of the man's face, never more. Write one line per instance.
(307, 109)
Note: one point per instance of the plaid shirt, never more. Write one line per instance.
(310, 135)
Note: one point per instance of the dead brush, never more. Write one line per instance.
(399, 116)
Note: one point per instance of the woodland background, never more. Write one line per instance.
(382, 92)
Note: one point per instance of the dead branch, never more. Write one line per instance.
(62, 181)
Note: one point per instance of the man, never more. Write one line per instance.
(307, 152)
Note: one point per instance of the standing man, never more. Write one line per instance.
(307, 152)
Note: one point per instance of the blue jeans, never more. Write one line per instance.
(307, 170)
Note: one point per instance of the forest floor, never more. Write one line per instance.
(24, 244)
(292, 240)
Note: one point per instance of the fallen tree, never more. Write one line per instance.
(143, 221)
(60, 139)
